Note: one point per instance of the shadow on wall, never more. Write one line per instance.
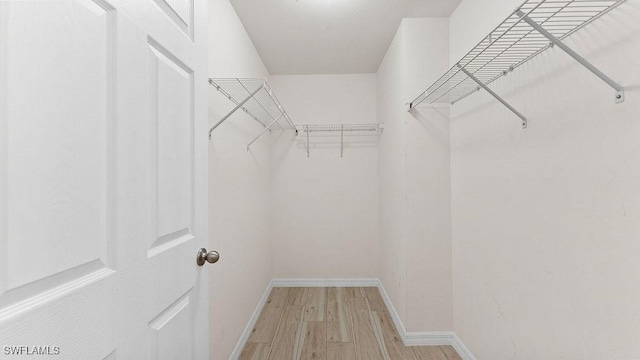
(427, 116)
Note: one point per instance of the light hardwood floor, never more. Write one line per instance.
(331, 324)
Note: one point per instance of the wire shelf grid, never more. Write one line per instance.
(263, 106)
(341, 130)
(513, 43)
(353, 129)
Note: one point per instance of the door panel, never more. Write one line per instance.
(171, 116)
(103, 178)
(180, 12)
(170, 332)
(58, 205)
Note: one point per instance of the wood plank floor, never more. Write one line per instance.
(331, 324)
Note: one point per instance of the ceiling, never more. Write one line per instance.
(329, 36)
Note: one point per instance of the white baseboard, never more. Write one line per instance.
(325, 282)
(394, 314)
(408, 338)
(252, 322)
(432, 338)
(462, 350)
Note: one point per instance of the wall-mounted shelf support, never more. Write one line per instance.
(482, 85)
(256, 99)
(235, 109)
(341, 140)
(264, 131)
(307, 131)
(528, 31)
(619, 90)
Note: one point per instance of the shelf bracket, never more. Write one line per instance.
(342, 140)
(619, 90)
(235, 109)
(482, 85)
(268, 90)
(264, 131)
(307, 130)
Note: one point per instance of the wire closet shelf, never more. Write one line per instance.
(532, 28)
(341, 130)
(256, 98)
(357, 129)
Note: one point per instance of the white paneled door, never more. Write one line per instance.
(103, 197)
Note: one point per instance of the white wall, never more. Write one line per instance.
(392, 176)
(524, 242)
(546, 220)
(414, 182)
(239, 189)
(428, 181)
(324, 207)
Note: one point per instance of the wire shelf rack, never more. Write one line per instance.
(256, 98)
(529, 30)
(341, 130)
(355, 129)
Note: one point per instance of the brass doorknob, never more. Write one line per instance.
(203, 256)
